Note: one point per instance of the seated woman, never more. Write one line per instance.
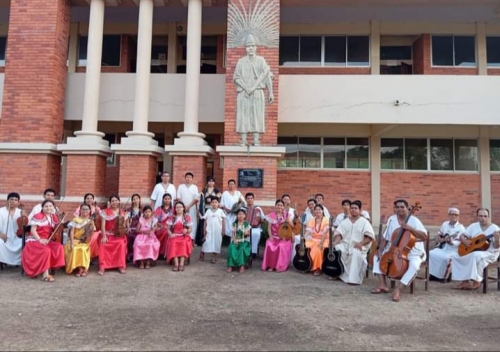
(179, 244)
(318, 229)
(163, 214)
(39, 255)
(146, 245)
(278, 252)
(133, 214)
(113, 247)
(95, 212)
(77, 249)
(239, 249)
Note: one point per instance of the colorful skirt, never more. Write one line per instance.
(78, 257)
(277, 255)
(146, 247)
(113, 253)
(37, 258)
(179, 246)
(238, 254)
(316, 252)
(162, 236)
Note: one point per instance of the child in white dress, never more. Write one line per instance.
(214, 225)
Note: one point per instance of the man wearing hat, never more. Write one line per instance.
(251, 76)
(447, 242)
(10, 244)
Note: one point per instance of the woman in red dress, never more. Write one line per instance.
(113, 247)
(39, 255)
(180, 243)
(163, 214)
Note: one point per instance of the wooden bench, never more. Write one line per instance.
(490, 279)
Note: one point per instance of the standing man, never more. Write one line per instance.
(230, 198)
(449, 236)
(319, 200)
(352, 238)
(187, 193)
(346, 208)
(254, 218)
(48, 194)
(10, 244)
(416, 255)
(287, 201)
(161, 188)
(470, 267)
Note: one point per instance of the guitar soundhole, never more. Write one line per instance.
(301, 252)
(331, 257)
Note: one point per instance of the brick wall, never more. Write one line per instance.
(423, 65)
(85, 173)
(325, 70)
(493, 72)
(137, 175)
(495, 198)
(220, 54)
(125, 55)
(29, 173)
(436, 192)
(35, 72)
(112, 178)
(195, 164)
(334, 185)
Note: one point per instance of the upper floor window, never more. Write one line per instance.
(325, 51)
(327, 153)
(208, 54)
(111, 50)
(495, 154)
(493, 51)
(3, 46)
(429, 154)
(450, 50)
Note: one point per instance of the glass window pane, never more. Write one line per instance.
(442, 50)
(358, 51)
(466, 155)
(358, 153)
(493, 51)
(465, 51)
(441, 154)
(290, 157)
(495, 154)
(391, 152)
(3, 44)
(335, 51)
(334, 153)
(289, 51)
(395, 53)
(310, 152)
(82, 51)
(416, 154)
(310, 51)
(111, 50)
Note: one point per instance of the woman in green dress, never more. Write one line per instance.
(239, 250)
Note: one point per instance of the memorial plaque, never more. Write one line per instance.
(250, 178)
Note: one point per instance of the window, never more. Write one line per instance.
(328, 153)
(493, 51)
(3, 46)
(159, 54)
(495, 154)
(111, 50)
(315, 51)
(449, 50)
(208, 54)
(111, 138)
(444, 154)
(396, 53)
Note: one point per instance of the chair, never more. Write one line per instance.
(490, 279)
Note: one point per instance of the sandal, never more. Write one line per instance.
(175, 268)
(229, 270)
(100, 272)
(79, 272)
(242, 270)
(141, 266)
(378, 290)
(213, 261)
(85, 273)
(48, 278)
(317, 273)
(202, 257)
(181, 267)
(147, 266)
(395, 296)
(122, 271)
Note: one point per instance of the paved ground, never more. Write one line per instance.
(204, 308)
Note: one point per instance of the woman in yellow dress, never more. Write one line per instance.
(318, 229)
(77, 249)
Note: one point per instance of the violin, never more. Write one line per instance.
(88, 233)
(297, 226)
(394, 263)
(22, 223)
(120, 228)
(57, 234)
(285, 231)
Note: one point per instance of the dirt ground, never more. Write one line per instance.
(204, 308)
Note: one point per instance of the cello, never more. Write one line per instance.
(394, 263)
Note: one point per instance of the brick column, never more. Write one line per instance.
(33, 109)
(195, 164)
(264, 157)
(137, 175)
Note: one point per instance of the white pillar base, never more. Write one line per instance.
(190, 138)
(86, 143)
(138, 143)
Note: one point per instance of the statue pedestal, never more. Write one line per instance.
(265, 158)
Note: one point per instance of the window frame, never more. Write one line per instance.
(322, 63)
(80, 63)
(2, 62)
(454, 53)
(497, 66)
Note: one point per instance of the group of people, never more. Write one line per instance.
(181, 218)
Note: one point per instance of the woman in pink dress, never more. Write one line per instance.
(278, 252)
(146, 245)
(179, 244)
(163, 214)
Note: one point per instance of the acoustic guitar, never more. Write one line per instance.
(302, 261)
(479, 243)
(332, 258)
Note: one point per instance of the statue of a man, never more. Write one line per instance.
(251, 76)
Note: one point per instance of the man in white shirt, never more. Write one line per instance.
(470, 267)
(10, 244)
(416, 255)
(48, 194)
(230, 198)
(319, 200)
(161, 189)
(188, 194)
(346, 207)
(448, 238)
(311, 203)
(287, 201)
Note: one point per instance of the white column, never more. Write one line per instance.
(172, 48)
(375, 47)
(73, 47)
(484, 166)
(190, 135)
(375, 177)
(142, 77)
(482, 59)
(93, 72)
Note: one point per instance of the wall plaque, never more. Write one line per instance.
(250, 178)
